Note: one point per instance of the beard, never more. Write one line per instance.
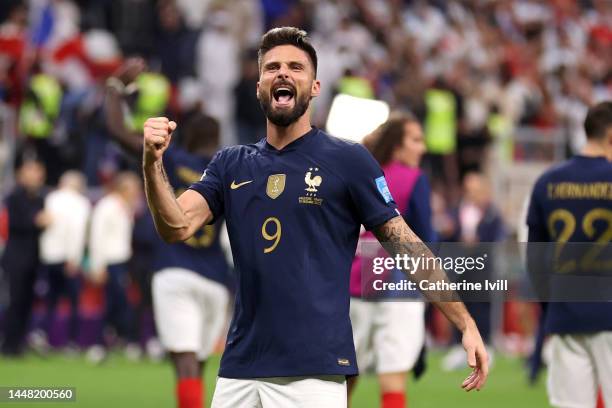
(284, 117)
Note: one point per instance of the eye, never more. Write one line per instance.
(271, 67)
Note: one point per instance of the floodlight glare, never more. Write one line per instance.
(353, 118)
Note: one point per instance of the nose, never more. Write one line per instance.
(283, 71)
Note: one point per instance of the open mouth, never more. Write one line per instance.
(283, 95)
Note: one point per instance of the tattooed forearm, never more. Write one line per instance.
(396, 233)
(169, 218)
(398, 239)
(162, 170)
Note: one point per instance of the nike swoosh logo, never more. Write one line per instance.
(234, 186)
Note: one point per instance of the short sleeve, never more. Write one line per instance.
(368, 189)
(535, 217)
(210, 186)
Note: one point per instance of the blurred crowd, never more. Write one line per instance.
(471, 71)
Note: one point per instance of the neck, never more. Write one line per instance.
(279, 136)
(595, 149)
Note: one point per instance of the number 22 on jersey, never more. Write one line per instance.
(568, 227)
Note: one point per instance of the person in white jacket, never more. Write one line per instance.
(110, 249)
(62, 244)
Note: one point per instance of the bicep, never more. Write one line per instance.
(196, 210)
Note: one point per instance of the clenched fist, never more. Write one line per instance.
(157, 136)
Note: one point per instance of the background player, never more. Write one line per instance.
(110, 249)
(581, 333)
(293, 203)
(190, 296)
(393, 333)
(20, 259)
(62, 245)
(475, 220)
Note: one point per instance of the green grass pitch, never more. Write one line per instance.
(119, 383)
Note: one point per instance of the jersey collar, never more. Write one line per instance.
(293, 145)
(591, 158)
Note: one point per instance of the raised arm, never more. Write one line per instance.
(114, 105)
(175, 219)
(397, 238)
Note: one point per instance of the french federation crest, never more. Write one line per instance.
(276, 185)
(312, 182)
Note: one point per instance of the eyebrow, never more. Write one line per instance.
(290, 63)
(270, 64)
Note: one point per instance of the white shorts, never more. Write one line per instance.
(580, 364)
(327, 391)
(190, 311)
(388, 335)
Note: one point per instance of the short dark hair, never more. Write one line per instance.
(388, 136)
(201, 132)
(598, 120)
(287, 36)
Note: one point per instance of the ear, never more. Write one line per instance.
(315, 89)
(257, 90)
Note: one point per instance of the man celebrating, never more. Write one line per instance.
(294, 203)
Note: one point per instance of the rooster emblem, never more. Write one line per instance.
(312, 182)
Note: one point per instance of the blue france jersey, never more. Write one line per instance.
(573, 202)
(293, 218)
(202, 253)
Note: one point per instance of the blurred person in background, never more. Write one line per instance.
(175, 43)
(248, 117)
(218, 68)
(390, 335)
(133, 23)
(110, 249)
(567, 206)
(476, 220)
(38, 115)
(443, 115)
(20, 259)
(190, 296)
(62, 245)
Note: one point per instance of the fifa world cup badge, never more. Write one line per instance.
(276, 185)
